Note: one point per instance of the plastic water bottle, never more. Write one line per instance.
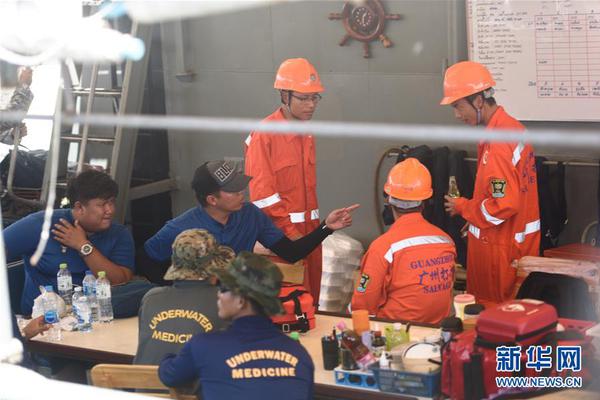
(85, 315)
(65, 284)
(83, 311)
(105, 311)
(89, 284)
(50, 308)
(89, 291)
(77, 293)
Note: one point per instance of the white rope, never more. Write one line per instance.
(403, 132)
(53, 154)
(7, 345)
(31, 60)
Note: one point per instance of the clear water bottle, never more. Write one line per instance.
(105, 311)
(50, 308)
(77, 293)
(83, 311)
(65, 284)
(89, 291)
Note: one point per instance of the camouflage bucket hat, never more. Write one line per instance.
(256, 277)
(195, 251)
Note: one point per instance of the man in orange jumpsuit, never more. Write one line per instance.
(503, 215)
(283, 167)
(408, 272)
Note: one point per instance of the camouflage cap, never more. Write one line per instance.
(256, 277)
(195, 251)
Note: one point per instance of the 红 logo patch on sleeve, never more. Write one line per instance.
(362, 285)
(498, 188)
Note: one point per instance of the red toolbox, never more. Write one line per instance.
(523, 322)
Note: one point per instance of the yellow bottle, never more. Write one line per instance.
(453, 187)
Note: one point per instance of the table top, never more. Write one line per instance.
(116, 342)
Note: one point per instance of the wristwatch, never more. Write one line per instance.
(86, 249)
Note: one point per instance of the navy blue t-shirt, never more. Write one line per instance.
(241, 232)
(21, 240)
(251, 360)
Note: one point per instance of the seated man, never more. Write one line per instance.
(408, 272)
(84, 237)
(219, 188)
(253, 359)
(171, 315)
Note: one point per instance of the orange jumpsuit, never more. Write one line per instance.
(284, 186)
(408, 273)
(503, 215)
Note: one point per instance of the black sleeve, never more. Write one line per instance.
(299, 249)
(149, 268)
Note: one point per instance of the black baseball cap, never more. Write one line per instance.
(218, 175)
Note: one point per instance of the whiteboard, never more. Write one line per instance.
(543, 54)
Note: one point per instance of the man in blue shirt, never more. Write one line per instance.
(252, 359)
(84, 237)
(219, 188)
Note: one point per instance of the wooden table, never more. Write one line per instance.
(117, 343)
(114, 343)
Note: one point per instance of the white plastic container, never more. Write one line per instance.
(341, 257)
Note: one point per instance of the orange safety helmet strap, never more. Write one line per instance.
(464, 79)
(409, 180)
(299, 75)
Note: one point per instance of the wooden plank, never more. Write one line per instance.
(575, 251)
(586, 270)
